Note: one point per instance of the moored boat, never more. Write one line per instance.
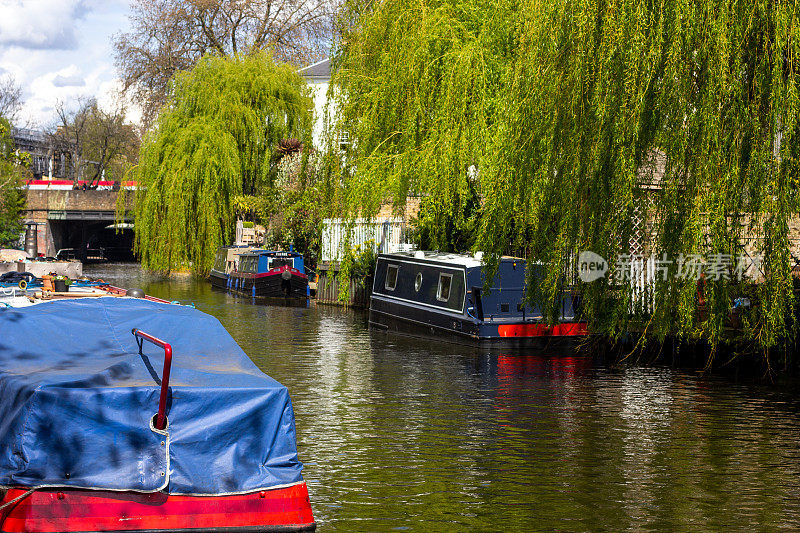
(443, 294)
(126, 414)
(270, 274)
(225, 262)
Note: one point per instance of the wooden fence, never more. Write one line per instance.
(328, 288)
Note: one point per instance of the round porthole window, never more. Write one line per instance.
(418, 281)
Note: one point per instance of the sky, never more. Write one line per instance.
(60, 50)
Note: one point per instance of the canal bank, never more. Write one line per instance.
(329, 287)
(401, 433)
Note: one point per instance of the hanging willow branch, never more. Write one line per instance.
(586, 121)
(215, 140)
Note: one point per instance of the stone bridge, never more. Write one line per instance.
(80, 220)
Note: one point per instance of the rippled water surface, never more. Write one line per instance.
(400, 433)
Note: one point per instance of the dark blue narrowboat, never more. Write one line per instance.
(270, 274)
(225, 262)
(444, 295)
(125, 414)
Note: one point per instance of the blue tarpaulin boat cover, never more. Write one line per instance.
(77, 400)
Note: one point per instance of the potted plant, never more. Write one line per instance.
(61, 283)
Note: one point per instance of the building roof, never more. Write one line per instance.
(25, 134)
(320, 69)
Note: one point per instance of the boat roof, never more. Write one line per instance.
(273, 253)
(468, 261)
(78, 400)
(231, 252)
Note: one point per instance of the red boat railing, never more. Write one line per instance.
(141, 336)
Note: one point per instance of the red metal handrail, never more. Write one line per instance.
(161, 421)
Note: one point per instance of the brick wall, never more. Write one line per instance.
(75, 200)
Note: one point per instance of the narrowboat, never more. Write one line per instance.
(444, 295)
(225, 262)
(270, 274)
(128, 414)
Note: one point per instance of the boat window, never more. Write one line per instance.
(418, 281)
(219, 263)
(443, 293)
(391, 277)
(280, 263)
(504, 308)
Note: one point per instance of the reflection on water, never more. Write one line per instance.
(406, 433)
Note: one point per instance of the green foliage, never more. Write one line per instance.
(13, 170)
(212, 148)
(435, 227)
(255, 207)
(358, 264)
(418, 82)
(300, 223)
(12, 203)
(564, 107)
(66, 279)
(303, 200)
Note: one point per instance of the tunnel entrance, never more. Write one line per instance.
(92, 240)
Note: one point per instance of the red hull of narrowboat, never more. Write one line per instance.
(568, 329)
(69, 510)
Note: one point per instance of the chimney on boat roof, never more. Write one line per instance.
(419, 254)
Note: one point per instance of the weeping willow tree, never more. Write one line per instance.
(417, 85)
(594, 125)
(214, 142)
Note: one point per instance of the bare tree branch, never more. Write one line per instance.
(97, 141)
(168, 36)
(10, 98)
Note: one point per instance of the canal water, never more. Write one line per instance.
(406, 434)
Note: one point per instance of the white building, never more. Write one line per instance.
(318, 77)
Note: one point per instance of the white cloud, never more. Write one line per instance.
(41, 24)
(68, 81)
(60, 74)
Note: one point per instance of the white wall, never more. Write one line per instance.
(319, 88)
